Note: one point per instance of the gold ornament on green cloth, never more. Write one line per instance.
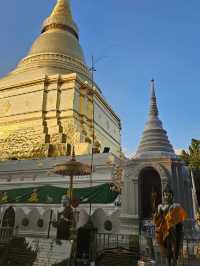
(3, 197)
(67, 193)
(34, 197)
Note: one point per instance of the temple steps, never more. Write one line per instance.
(36, 252)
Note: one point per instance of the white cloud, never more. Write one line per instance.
(178, 151)
(128, 154)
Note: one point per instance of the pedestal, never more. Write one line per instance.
(129, 224)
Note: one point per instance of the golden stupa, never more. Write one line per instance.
(46, 103)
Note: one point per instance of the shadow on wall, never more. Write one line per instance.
(33, 219)
(83, 218)
(106, 223)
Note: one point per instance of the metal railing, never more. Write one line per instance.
(6, 234)
(190, 251)
(108, 241)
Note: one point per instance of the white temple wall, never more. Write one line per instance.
(33, 213)
(83, 218)
(100, 217)
(130, 194)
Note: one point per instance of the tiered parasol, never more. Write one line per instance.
(72, 168)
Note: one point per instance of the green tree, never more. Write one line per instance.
(192, 157)
(192, 160)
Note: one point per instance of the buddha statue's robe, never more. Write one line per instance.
(167, 219)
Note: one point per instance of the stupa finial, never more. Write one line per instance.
(62, 8)
(153, 105)
(61, 18)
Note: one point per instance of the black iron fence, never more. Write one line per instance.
(111, 241)
(6, 234)
(107, 241)
(190, 252)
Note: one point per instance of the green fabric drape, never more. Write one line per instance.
(102, 194)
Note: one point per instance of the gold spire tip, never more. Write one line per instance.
(62, 8)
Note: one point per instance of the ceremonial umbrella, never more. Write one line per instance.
(72, 168)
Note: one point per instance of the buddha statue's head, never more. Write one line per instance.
(168, 195)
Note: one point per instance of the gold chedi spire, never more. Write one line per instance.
(61, 18)
(59, 36)
(62, 8)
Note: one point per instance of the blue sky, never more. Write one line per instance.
(141, 40)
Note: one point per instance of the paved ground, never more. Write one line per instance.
(191, 262)
(185, 263)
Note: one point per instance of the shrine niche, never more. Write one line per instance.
(9, 217)
(149, 182)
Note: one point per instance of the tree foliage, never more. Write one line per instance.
(192, 160)
(192, 156)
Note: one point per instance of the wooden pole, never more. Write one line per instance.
(50, 221)
(71, 190)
